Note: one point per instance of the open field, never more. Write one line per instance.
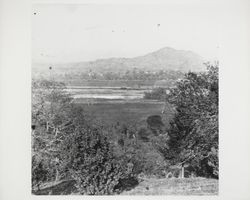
(118, 83)
(107, 93)
(109, 105)
(186, 186)
(124, 112)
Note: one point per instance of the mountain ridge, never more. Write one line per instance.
(166, 58)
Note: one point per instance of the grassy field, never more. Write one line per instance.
(186, 186)
(113, 83)
(125, 112)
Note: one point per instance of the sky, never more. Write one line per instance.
(64, 33)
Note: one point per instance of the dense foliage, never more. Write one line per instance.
(136, 143)
(50, 116)
(67, 145)
(193, 135)
(156, 94)
(93, 164)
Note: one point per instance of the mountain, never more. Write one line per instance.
(164, 59)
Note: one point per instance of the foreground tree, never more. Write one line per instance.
(193, 133)
(92, 163)
(66, 145)
(52, 111)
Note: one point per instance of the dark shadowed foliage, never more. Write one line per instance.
(193, 133)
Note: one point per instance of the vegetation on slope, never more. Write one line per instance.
(187, 186)
(69, 144)
(193, 132)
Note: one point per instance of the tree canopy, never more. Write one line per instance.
(193, 132)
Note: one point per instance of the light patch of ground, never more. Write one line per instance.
(175, 186)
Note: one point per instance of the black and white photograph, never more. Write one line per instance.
(125, 99)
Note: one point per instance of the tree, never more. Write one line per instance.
(193, 132)
(92, 162)
(51, 107)
(49, 103)
(156, 94)
(67, 145)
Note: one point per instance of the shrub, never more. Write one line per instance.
(155, 124)
(93, 164)
(156, 94)
(39, 172)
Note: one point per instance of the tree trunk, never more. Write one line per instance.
(56, 131)
(182, 171)
(57, 176)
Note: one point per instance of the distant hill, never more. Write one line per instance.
(164, 59)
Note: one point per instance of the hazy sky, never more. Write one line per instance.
(83, 32)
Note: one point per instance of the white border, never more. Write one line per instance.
(15, 99)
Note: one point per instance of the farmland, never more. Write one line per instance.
(111, 105)
(132, 112)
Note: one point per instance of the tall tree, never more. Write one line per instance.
(193, 133)
(51, 107)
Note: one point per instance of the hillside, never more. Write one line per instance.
(163, 59)
(187, 186)
(148, 186)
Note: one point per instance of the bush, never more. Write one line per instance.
(39, 172)
(140, 150)
(156, 94)
(155, 124)
(93, 165)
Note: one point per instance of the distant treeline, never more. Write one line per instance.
(133, 74)
(131, 78)
(120, 83)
